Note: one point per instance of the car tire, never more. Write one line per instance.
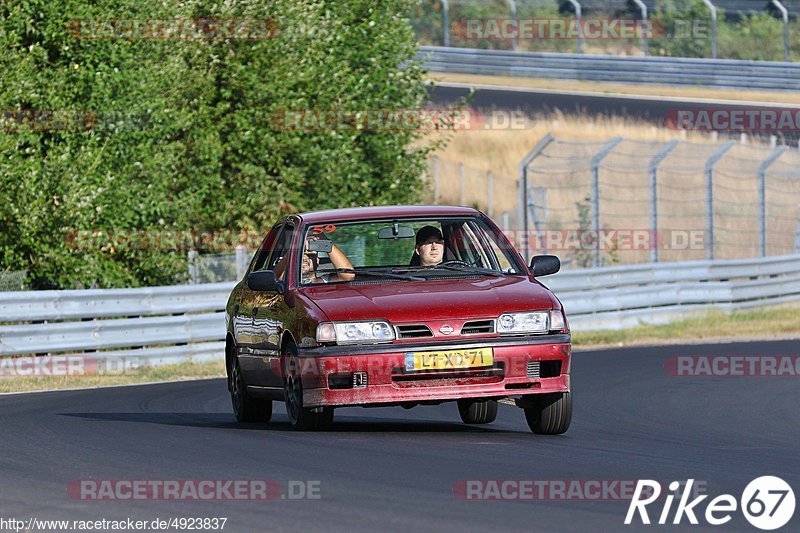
(550, 414)
(245, 407)
(301, 418)
(477, 411)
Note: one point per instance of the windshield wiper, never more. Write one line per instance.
(380, 274)
(459, 267)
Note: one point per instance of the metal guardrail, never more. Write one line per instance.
(623, 296)
(190, 325)
(719, 73)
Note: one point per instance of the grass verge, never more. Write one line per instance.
(765, 324)
(183, 371)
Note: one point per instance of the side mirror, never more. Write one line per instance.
(543, 265)
(264, 280)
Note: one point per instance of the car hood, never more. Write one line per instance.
(408, 301)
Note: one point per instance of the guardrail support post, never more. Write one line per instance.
(646, 29)
(785, 14)
(652, 171)
(522, 189)
(446, 22)
(578, 15)
(713, 27)
(595, 165)
(762, 199)
(709, 171)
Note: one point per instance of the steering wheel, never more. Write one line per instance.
(454, 262)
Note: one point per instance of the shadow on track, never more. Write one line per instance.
(280, 423)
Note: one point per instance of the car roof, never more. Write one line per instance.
(378, 212)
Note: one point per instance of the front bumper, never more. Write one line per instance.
(522, 366)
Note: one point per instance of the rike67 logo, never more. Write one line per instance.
(767, 503)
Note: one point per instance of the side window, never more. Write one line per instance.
(282, 247)
(262, 254)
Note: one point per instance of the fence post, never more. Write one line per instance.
(762, 199)
(643, 9)
(512, 8)
(446, 22)
(194, 272)
(435, 180)
(241, 257)
(797, 233)
(709, 171)
(652, 171)
(522, 188)
(461, 179)
(595, 166)
(785, 16)
(713, 27)
(489, 180)
(578, 15)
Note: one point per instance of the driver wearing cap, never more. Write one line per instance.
(430, 246)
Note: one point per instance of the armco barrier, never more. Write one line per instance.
(719, 73)
(171, 324)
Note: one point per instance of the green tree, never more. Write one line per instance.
(182, 132)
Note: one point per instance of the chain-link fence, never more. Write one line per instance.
(216, 268)
(628, 201)
(13, 280)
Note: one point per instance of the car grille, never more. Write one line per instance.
(477, 326)
(413, 331)
(532, 370)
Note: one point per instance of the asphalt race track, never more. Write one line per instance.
(395, 469)
(650, 109)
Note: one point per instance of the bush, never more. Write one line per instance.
(180, 134)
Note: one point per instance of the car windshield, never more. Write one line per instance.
(404, 249)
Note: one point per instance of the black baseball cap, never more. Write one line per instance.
(426, 232)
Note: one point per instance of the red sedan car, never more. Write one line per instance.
(400, 306)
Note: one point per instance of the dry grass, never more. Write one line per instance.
(500, 151)
(779, 322)
(768, 97)
(185, 371)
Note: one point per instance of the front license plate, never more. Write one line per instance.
(447, 359)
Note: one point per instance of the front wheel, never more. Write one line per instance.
(301, 418)
(245, 407)
(550, 414)
(477, 411)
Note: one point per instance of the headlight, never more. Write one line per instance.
(355, 332)
(536, 322)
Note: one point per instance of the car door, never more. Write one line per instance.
(261, 315)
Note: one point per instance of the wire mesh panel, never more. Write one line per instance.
(638, 201)
(13, 280)
(782, 198)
